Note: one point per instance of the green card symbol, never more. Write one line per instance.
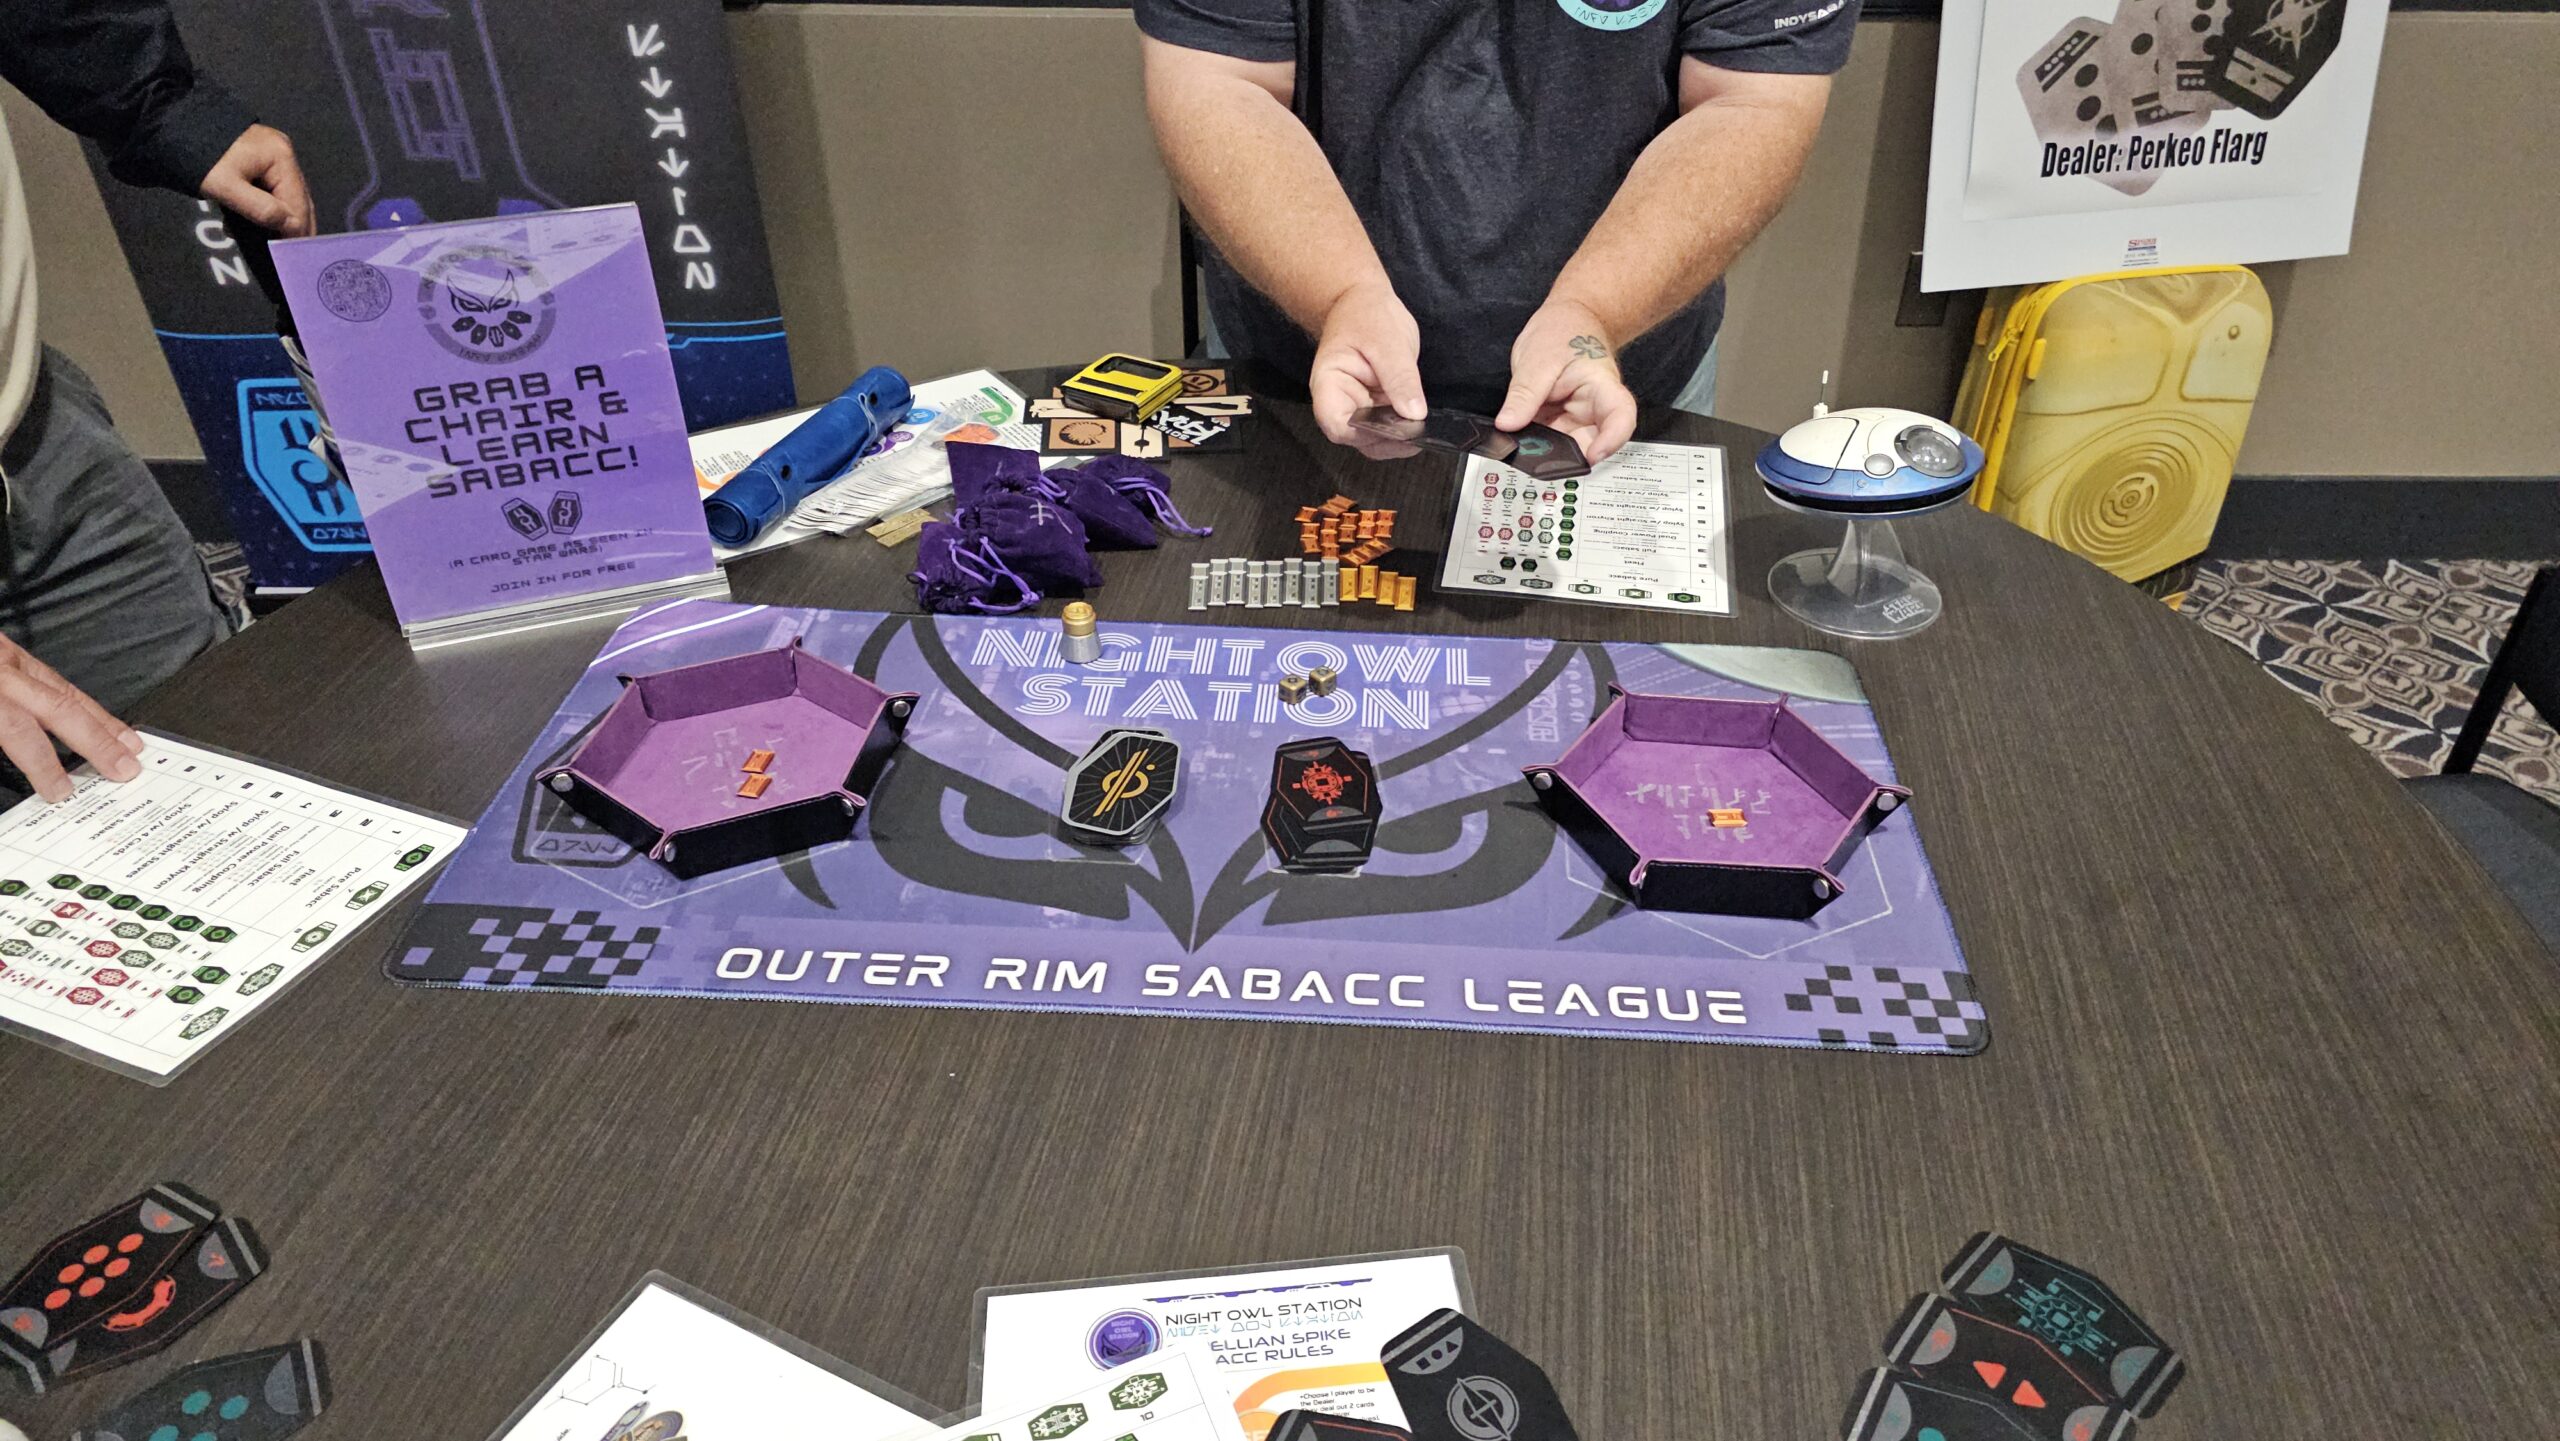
(43, 928)
(154, 912)
(259, 979)
(93, 892)
(365, 897)
(1057, 1421)
(416, 856)
(212, 975)
(125, 901)
(185, 923)
(1138, 1391)
(315, 935)
(65, 881)
(185, 995)
(219, 934)
(202, 1024)
(13, 888)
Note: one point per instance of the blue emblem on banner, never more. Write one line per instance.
(276, 428)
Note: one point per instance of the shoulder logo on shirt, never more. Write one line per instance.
(1790, 22)
(1612, 14)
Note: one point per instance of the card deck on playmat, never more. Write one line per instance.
(1892, 1406)
(1459, 1382)
(1322, 814)
(2080, 1317)
(262, 1395)
(226, 1258)
(1318, 1426)
(91, 1270)
(1121, 787)
(1945, 1345)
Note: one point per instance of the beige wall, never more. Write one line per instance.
(948, 186)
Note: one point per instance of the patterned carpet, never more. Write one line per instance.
(2393, 652)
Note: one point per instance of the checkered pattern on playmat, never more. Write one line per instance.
(1932, 1007)
(529, 947)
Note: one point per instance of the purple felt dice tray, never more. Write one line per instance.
(662, 767)
(1635, 788)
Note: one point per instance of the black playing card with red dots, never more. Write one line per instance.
(122, 1285)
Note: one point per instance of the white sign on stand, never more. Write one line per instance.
(2175, 133)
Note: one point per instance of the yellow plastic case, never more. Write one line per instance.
(1123, 387)
(2111, 408)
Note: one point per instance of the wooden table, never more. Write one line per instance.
(2268, 1053)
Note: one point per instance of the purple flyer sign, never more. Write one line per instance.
(502, 397)
(1474, 912)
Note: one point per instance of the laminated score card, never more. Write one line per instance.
(1647, 528)
(1271, 1338)
(505, 410)
(142, 923)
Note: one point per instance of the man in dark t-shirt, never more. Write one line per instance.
(1512, 206)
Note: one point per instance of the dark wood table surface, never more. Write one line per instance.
(2267, 1052)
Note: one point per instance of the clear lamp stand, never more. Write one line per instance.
(1864, 590)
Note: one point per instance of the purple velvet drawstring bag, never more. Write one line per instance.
(979, 471)
(1041, 540)
(1145, 485)
(960, 574)
(1111, 520)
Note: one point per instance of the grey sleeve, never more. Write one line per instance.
(1242, 29)
(1775, 37)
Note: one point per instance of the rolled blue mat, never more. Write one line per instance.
(815, 452)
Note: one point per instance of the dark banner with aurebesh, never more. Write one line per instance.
(1475, 911)
(406, 111)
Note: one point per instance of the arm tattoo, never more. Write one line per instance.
(1589, 347)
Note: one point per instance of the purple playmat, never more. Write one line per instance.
(1475, 910)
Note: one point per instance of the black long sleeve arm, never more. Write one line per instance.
(116, 71)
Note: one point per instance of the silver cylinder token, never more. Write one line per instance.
(562, 783)
(1887, 801)
(1080, 649)
(899, 708)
